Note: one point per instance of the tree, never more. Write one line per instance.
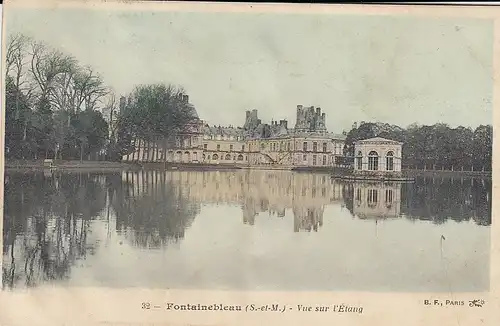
(46, 90)
(433, 147)
(152, 116)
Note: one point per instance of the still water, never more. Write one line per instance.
(253, 230)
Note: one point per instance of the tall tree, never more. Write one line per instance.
(153, 115)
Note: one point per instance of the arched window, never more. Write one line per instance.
(373, 161)
(187, 156)
(178, 156)
(359, 161)
(389, 161)
(215, 157)
(240, 157)
(228, 157)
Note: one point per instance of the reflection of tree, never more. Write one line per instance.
(46, 220)
(440, 199)
(156, 216)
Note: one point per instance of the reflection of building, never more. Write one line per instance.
(376, 200)
(256, 191)
(378, 156)
(308, 144)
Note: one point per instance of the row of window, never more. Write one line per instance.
(231, 147)
(215, 157)
(315, 159)
(372, 196)
(373, 163)
(222, 137)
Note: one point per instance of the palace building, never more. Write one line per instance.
(308, 144)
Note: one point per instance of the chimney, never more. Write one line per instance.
(299, 107)
(323, 116)
(247, 114)
(185, 98)
(318, 111)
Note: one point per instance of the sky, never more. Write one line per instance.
(399, 70)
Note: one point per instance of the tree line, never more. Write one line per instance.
(435, 147)
(51, 103)
(54, 108)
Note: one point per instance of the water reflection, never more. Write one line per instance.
(428, 199)
(55, 223)
(46, 223)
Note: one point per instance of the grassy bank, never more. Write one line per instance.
(444, 173)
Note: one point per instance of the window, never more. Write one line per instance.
(373, 161)
(240, 157)
(359, 161)
(242, 148)
(389, 161)
(205, 146)
(288, 146)
(315, 147)
(304, 157)
(358, 194)
(195, 156)
(231, 148)
(304, 146)
(218, 147)
(372, 196)
(215, 157)
(228, 157)
(314, 159)
(324, 159)
(324, 147)
(388, 196)
(209, 157)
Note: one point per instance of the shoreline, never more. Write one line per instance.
(107, 166)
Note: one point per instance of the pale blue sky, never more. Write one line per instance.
(355, 67)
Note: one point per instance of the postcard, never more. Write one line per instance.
(175, 163)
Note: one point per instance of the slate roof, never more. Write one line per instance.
(378, 140)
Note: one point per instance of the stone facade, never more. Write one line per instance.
(308, 144)
(377, 156)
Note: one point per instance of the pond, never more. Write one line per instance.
(245, 230)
